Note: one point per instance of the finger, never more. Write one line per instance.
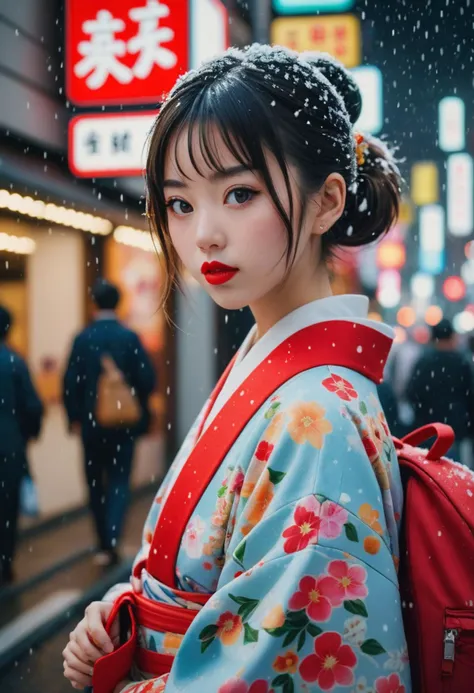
(74, 661)
(74, 648)
(90, 652)
(96, 631)
(75, 677)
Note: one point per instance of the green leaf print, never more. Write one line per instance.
(152, 644)
(247, 606)
(357, 607)
(351, 532)
(363, 408)
(221, 491)
(250, 634)
(372, 647)
(313, 630)
(276, 632)
(285, 682)
(290, 636)
(239, 552)
(297, 619)
(207, 636)
(270, 413)
(301, 640)
(275, 477)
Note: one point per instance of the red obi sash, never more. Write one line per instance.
(334, 343)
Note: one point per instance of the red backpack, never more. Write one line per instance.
(437, 563)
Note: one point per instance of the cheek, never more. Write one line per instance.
(264, 234)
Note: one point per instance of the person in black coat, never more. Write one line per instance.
(441, 388)
(108, 452)
(21, 413)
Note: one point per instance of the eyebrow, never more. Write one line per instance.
(216, 176)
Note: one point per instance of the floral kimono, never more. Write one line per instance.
(275, 532)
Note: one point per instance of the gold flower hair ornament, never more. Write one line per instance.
(361, 148)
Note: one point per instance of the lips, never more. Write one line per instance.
(216, 273)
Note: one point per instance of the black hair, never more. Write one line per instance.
(6, 321)
(105, 295)
(301, 108)
(443, 330)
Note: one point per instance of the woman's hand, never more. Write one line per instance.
(87, 642)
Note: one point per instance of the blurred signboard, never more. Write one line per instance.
(308, 6)
(338, 35)
(370, 83)
(209, 30)
(109, 144)
(124, 51)
(460, 194)
(424, 183)
(452, 124)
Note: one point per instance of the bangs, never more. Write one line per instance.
(228, 114)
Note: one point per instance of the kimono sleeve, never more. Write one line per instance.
(308, 597)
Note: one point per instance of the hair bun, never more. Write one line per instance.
(340, 78)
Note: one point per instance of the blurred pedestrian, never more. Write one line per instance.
(402, 360)
(21, 414)
(441, 388)
(107, 385)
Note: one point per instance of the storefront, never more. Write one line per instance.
(56, 238)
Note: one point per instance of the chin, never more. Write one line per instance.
(229, 302)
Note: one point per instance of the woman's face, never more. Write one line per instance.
(229, 218)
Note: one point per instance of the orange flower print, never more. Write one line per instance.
(383, 423)
(222, 511)
(372, 545)
(376, 461)
(148, 536)
(308, 424)
(275, 618)
(229, 628)
(171, 643)
(287, 663)
(376, 433)
(215, 543)
(371, 517)
(260, 499)
(342, 388)
(275, 427)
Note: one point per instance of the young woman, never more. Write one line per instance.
(269, 557)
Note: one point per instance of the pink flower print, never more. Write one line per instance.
(237, 481)
(222, 512)
(192, 540)
(317, 595)
(333, 518)
(331, 665)
(351, 578)
(389, 684)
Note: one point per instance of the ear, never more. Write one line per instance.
(330, 201)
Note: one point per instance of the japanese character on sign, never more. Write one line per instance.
(109, 143)
(338, 35)
(125, 51)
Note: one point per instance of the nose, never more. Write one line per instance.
(209, 232)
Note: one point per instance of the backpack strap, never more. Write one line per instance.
(331, 343)
(444, 439)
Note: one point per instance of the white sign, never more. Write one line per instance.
(451, 119)
(460, 192)
(109, 144)
(209, 29)
(432, 239)
(369, 81)
(389, 288)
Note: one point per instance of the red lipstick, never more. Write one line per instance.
(216, 273)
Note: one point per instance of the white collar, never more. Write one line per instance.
(349, 307)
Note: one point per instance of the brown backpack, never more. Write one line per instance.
(117, 404)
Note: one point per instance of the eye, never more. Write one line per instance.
(179, 207)
(239, 196)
